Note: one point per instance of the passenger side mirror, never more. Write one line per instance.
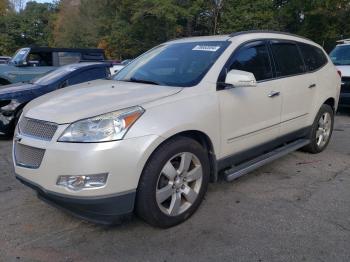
(238, 78)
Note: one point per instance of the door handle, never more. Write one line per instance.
(273, 94)
(312, 85)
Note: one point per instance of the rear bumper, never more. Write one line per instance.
(101, 210)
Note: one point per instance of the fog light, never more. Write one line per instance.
(77, 183)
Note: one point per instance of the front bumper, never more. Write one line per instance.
(123, 161)
(102, 210)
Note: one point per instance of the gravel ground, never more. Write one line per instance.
(295, 209)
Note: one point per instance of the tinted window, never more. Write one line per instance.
(287, 58)
(176, 64)
(254, 59)
(92, 57)
(53, 76)
(341, 55)
(314, 57)
(88, 75)
(43, 59)
(65, 58)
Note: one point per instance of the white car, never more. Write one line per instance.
(150, 140)
(340, 56)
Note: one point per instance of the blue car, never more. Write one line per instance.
(14, 97)
(31, 62)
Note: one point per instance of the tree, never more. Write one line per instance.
(30, 26)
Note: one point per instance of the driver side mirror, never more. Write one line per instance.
(238, 78)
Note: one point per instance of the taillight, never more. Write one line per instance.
(339, 72)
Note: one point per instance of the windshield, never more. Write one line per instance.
(20, 56)
(341, 55)
(179, 64)
(53, 76)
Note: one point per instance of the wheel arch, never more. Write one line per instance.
(202, 139)
(331, 102)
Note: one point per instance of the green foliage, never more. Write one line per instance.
(126, 28)
(30, 26)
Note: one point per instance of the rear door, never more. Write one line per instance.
(297, 86)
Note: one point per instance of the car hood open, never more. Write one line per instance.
(93, 98)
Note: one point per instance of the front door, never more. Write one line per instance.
(250, 116)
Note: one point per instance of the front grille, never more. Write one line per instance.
(38, 129)
(27, 156)
(345, 87)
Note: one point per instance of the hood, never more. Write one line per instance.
(14, 90)
(345, 70)
(93, 98)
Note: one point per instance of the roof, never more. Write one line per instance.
(267, 32)
(270, 34)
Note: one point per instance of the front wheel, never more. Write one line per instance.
(173, 183)
(321, 130)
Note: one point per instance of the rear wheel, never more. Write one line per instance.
(321, 131)
(173, 183)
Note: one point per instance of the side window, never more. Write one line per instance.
(65, 58)
(88, 75)
(92, 57)
(42, 59)
(253, 58)
(314, 57)
(287, 58)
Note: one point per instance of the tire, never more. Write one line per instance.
(168, 191)
(326, 129)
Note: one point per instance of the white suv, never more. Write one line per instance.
(150, 140)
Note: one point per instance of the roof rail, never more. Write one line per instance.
(344, 41)
(265, 31)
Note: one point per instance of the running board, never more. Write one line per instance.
(255, 163)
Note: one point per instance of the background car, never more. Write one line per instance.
(4, 59)
(117, 67)
(14, 97)
(31, 62)
(341, 59)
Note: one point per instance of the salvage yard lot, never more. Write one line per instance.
(295, 209)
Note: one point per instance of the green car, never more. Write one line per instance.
(31, 62)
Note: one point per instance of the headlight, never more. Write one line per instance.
(107, 127)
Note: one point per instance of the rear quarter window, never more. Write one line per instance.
(287, 59)
(314, 57)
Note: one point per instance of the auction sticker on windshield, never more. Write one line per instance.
(207, 48)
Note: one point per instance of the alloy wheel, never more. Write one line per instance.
(324, 130)
(179, 184)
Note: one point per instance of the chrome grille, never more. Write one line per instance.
(38, 129)
(27, 156)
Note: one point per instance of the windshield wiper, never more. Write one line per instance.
(144, 81)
